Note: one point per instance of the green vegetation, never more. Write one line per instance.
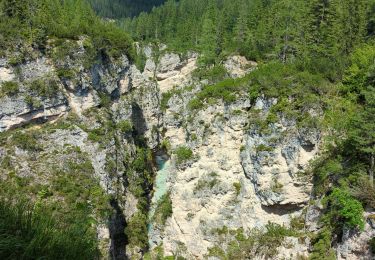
(139, 174)
(344, 210)
(53, 219)
(26, 140)
(32, 23)
(372, 245)
(206, 183)
(276, 186)
(9, 88)
(264, 148)
(237, 187)
(322, 246)
(123, 8)
(163, 209)
(29, 231)
(45, 87)
(136, 230)
(125, 126)
(183, 154)
(254, 244)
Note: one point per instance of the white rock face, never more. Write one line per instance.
(178, 76)
(204, 193)
(6, 74)
(239, 66)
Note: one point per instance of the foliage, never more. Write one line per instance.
(136, 230)
(26, 141)
(9, 88)
(258, 242)
(125, 126)
(29, 231)
(323, 246)
(163, 209)
(33, 22)
(237, 187)
(344, 210)
(122, 8)
(45, 87)
(206, 183)
(372, 245)
(183, 154)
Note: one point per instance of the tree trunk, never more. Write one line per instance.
(371, 171)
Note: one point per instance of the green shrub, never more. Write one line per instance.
(372, 245)
(9, 88)
(257, 243)
(164, 100)
(183, 154)
(26, 141)
(105, 100)
(322, 249)
(96, 135)
(44, 87)
(67, 74)
(125, 126)
(136, 230)
(206, 183)
(163, 209)
(297, 223)
(344, 210)
(276, 186)
(264, 148)
(213, 74)
(166, 145)
(33, 102)
(237, 187)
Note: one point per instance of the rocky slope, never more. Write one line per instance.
(242, 175)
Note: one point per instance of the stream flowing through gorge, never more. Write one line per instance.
(160, 189)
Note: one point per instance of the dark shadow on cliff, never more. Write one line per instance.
(281, 209)
(117, 224)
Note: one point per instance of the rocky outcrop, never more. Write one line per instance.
(25, 105)
(239, 66)
(355, 243)
(238, 173)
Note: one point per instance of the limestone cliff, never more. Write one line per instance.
(241, 176)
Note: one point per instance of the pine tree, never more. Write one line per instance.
(362, 133)
(352, 23)
(207, 41)
(241, 30)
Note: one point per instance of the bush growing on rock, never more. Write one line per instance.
(125, 126)
(26, 141)
(44, 87)
(183, 154)
(372, 245)
(9, 88)
(163, 210)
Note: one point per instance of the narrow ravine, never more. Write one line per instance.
(160, 189)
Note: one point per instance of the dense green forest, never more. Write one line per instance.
(123, 8)
(311, 32)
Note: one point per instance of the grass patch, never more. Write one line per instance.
(29, 231)
(26, 141)
(9, 88)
